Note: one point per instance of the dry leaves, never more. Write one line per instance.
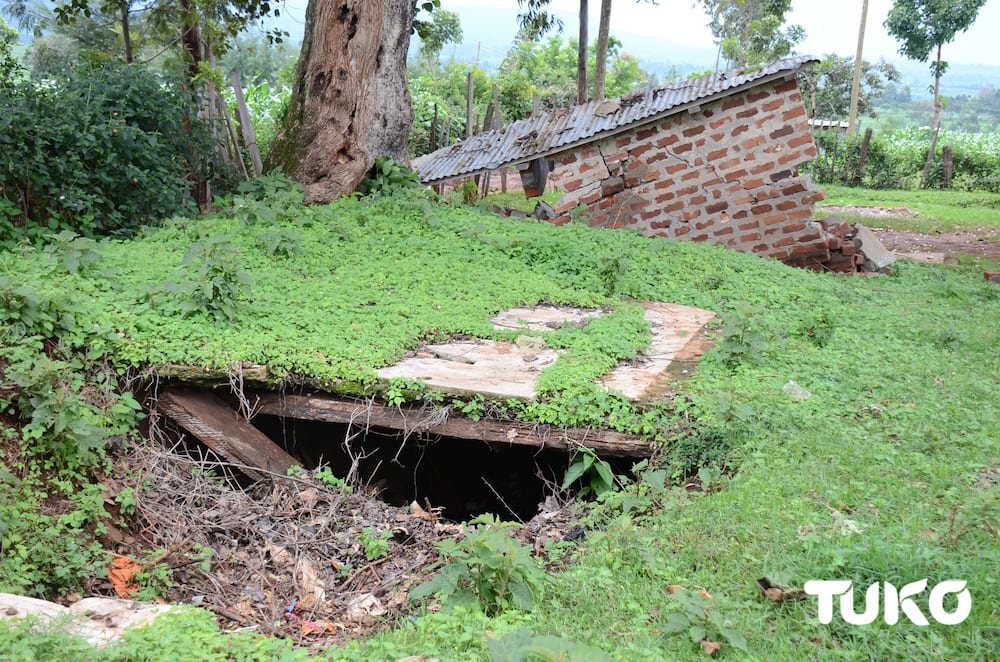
(710, 647)
(121, 574)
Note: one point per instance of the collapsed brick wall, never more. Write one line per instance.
(724, 173)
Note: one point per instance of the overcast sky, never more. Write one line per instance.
(831, 27)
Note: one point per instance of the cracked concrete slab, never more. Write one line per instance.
(501, 370)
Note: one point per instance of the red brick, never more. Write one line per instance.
(591, 198)
(717, 207)
(781, 174)
(717, 137)
(733, 102)
(691, 214)
(624, 141)
(688, 176)
(790, 85)
(742, 128)
(743, 199)
(723, 231)
(763, 167)
(835, 243)
(759, 210)
(753, 183)
(793, 227)
(703, 224)
(612, 186)
(642, 149)
(663, 183)
(677, 206)
(753, 236)
(793, 113)
(782, 132)
(693, 130)
(675, 168)
(700, 238)
(651, 214)
(632, 181)
(750, 143)
(754, 97)
(699, 200)
(646, 133)
(740, 215)
(659, 156)
(790, 157)
(689, 190)
(666, 141)
(792, 189)
(730, 176)
(718, 154)
(801, 215)
(680, 149)
(787, 241)
(725, 119)
(992, 276)
(798, 141)
(849, 248)
(786, 205)
(773, 104)
(774, 219)
(681, 230)
(746, 114)
(752, 225)
(573, 185)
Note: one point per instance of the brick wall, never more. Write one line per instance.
(723, 174)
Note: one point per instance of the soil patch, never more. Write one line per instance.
(298, 556)
(979, 242)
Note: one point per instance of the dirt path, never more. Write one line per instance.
(980, 242)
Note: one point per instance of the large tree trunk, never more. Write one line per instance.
(350, 102)
(601, 63)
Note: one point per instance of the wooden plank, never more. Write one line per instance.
(330, 409)
(225, 431)
(246, 125)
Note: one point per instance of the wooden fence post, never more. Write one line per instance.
(949, 164)
(246, 126)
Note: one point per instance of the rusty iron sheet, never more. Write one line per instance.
(555, 131)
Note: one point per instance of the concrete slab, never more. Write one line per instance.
(544, 318)
(678, 340)
(503, 370)
(877, 257)
(100, 621)
(466, 367)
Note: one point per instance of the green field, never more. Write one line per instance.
(886, 472)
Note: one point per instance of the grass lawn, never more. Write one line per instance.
(936, 210)
(887, 472)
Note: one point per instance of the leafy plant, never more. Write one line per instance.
(218, 282)
(520, 646)
(488, 566)
(376, 543)
(745, 337)
(597, 472)
(326, 476)
(695, 614)
(389, 176)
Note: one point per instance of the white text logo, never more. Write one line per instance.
(894, 600)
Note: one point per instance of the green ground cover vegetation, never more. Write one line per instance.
(931, 210)
(887, 471)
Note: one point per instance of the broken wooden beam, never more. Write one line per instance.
(226, 432)
(329, 409)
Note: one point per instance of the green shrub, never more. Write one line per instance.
(101, 152)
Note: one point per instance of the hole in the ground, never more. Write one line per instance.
(463, 477)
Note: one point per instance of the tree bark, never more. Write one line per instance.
(935, 123)
(601, 63)
(581, 57)
(126, 33)
(350, 103)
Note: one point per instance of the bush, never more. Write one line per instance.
(100, 152)
(895, 160)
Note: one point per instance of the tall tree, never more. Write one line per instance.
(752, 32)
(827, 87)
(601, 64)
(350, 102)
(922, 27)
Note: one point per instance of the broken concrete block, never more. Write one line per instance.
(100, 621)
(877, 257)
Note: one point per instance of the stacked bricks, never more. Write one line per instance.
(724, 173)
(845, 254)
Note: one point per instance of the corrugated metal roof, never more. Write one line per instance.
(554, 131)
